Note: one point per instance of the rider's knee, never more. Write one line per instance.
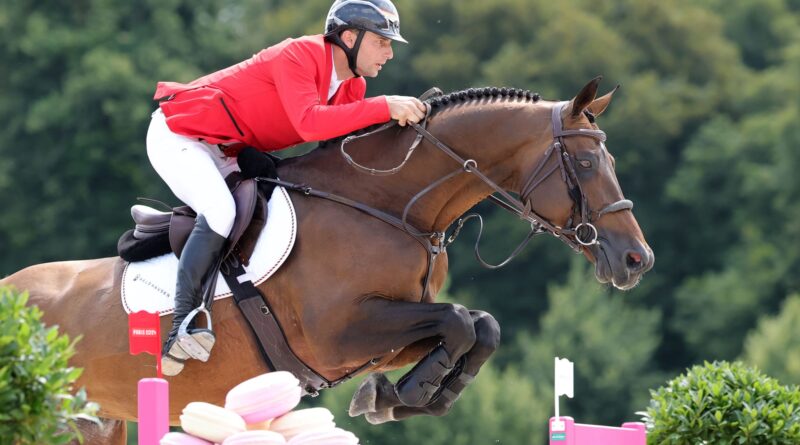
(220, 217)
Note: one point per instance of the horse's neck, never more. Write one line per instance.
(491, 135)
(325, 169)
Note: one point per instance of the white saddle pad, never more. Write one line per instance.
(150, 285)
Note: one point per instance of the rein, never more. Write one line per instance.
(577, 237)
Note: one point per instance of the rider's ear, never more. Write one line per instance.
(601, 103)
(348, 36)
(583, 99)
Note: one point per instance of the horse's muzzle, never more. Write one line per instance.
(622, 267)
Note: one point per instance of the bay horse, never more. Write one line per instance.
(359, 291)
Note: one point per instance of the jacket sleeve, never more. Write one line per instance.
(299, 95)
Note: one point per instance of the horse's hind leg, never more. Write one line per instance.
(380, 389)
(109, 432)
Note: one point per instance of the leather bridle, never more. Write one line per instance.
(583, 233)
(579, 232)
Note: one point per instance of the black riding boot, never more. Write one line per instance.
(201, 252)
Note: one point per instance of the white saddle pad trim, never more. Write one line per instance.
(150, 285)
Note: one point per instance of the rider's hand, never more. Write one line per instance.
(406, 109)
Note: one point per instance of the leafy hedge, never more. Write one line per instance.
(36, 401)
(723, 403)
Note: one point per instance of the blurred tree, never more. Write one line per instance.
(76, 108)
(610, 343)
(760, 28)
(739, 183)
(774, 346)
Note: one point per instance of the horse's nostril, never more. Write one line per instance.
(633, 260)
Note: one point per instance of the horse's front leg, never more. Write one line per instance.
(375, 400)
(379, 326)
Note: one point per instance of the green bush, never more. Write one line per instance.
(36, 403)
(723, 403)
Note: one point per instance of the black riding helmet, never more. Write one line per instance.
(378, 16)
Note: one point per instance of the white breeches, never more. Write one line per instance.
(195, 173)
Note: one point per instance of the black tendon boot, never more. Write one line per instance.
(201, 252)
(419, 385)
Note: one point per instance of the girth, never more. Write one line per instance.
(274, 347)
(256, 310)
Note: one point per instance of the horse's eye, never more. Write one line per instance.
(585, 164)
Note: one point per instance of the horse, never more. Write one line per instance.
(357, 295)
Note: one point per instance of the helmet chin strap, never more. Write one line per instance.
(351, 53)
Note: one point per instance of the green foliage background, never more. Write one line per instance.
(704, 131)
(37, 406)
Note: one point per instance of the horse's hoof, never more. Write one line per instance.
(365, 396)
(386, 415)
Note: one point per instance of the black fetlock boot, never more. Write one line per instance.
(200, 254)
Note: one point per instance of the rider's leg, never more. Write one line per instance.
(194, 172)
(200, 254)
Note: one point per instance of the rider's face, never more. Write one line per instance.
(375, 51)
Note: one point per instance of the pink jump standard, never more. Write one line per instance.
(153, 412)
(631, 433)
(153, 393)
(564, 430)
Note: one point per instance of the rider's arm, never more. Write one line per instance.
(402, 108)
(299, 95)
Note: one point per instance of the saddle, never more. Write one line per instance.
(157, 232)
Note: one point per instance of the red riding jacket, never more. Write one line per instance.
(276, 99)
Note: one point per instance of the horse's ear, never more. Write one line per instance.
(601, 103)
(585, 97)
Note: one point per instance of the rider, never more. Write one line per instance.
(306, 89)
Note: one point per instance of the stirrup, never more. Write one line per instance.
(196, 344)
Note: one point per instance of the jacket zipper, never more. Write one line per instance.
(231, 116)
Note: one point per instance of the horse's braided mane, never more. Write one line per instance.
(442, 102)
(439, 103)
